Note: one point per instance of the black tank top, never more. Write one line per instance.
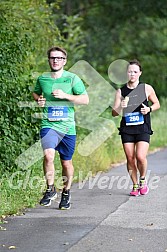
(136, 96)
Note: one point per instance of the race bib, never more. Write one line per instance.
(57, 113)
(134, 118)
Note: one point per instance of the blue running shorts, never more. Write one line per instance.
(63, 143)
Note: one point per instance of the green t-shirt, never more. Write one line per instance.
(58, 114)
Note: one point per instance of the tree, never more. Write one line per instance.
(123, 30)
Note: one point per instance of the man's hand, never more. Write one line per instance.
(41, 101)
(58, 93)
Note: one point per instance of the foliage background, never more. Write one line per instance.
(27, 30)
(96, 31)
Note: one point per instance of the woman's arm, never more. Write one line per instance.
(152, 98)
(117, 109)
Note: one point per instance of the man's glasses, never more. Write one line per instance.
(57, 58)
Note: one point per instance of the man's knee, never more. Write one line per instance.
(67, 164)
(49, 155)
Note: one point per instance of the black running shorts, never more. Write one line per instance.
(134, 138)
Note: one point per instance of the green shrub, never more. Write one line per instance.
(22, 45)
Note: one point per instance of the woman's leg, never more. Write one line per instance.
(129, 149)
(141, 156)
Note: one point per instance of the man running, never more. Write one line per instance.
(58, 91)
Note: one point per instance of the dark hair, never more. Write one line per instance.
(135, 62)
(56, 48)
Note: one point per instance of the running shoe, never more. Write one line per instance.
(143, 187)
(49, 195)
(65, 200)
(135, 191)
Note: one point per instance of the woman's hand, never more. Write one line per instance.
(144, 110)
(124, 102)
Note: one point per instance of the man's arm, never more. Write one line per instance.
(39, 99)
(36, 96)
(78, 99)
(81, 99)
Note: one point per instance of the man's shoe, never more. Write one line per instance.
(135, 191)
(65, 200)
(49, 195)
(143, 187)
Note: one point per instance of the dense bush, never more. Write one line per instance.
(27, 30)
(21, 48)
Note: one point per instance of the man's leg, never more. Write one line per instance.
(67, 173)
(66, 150)
(48, 166)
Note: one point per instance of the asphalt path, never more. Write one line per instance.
(103, 217)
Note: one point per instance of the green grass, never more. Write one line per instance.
(18, 190)
(159, 126)
(23, 189)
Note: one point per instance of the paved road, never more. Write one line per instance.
(103, 217)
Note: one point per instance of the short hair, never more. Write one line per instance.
(56, 48)
(135, 62)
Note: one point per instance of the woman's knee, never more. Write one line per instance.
(141, 158)
(131, 160)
